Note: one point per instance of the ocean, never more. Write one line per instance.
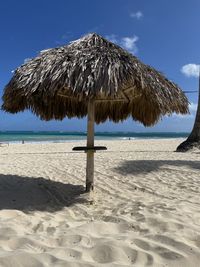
(16, 137)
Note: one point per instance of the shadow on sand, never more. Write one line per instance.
(146, 166)
(37, 194)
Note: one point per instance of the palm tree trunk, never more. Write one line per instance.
(193, 139)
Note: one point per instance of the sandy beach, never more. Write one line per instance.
(146, 210)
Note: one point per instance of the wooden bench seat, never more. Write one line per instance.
(85, 148)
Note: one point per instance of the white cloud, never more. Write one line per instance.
(26, 60)
(137, 15)
(127, 42)
(191, 70)
(113, 38)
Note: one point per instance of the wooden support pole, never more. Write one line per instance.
(90, 144)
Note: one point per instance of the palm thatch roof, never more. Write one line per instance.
(60, 81)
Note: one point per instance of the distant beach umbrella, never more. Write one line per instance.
(92, 76)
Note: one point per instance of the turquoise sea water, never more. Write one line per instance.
(75, 136)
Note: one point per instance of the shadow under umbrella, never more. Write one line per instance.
(146, 166)
(37, 194)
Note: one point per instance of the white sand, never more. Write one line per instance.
(146, 210)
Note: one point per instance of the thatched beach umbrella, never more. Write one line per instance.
(94, 77)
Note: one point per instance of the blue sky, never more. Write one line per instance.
(162, 33)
